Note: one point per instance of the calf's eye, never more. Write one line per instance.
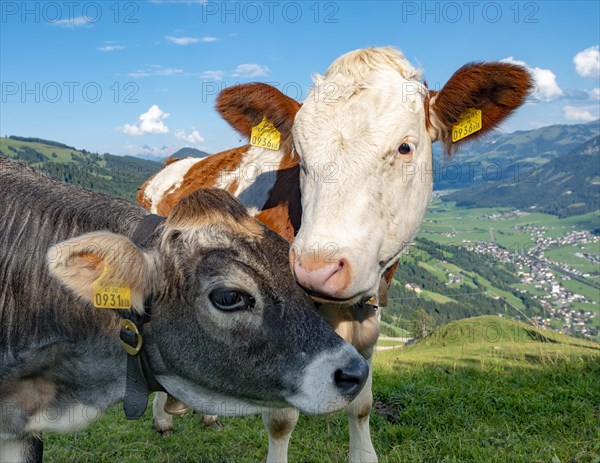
(230, 300)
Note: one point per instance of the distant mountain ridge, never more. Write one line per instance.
(499, 156)
(485, 169)
(564, 186)
(189, 152)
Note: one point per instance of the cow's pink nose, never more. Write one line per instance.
(321, 276)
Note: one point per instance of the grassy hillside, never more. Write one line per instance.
(106, 173)
(479, 390)
(498, 343)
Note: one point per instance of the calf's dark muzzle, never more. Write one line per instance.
(351, 379)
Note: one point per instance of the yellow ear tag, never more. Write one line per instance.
(468, 124)
(265, 135)
(115, 295)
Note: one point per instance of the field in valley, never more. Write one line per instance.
(554, 260)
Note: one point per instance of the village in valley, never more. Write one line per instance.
(558, 267)
(543, 273)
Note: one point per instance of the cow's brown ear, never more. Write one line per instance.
(494, 89)
(244, 106)
(99, 263)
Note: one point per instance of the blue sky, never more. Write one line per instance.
(141, 77)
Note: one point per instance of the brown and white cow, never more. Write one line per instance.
(349, 184)
(223, 329)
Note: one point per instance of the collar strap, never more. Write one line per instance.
(139, 381)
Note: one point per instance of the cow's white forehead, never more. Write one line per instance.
(358, 64)
(359, 70)
(365, 97)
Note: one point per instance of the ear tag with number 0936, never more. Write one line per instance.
(265, 135)
(468, 124)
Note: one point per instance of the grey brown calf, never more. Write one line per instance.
(229, 333)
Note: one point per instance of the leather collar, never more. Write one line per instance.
(139, 381)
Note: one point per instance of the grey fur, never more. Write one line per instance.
(64, 352)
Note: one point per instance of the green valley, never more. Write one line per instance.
(529, 266)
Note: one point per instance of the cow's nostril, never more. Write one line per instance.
(350, 379)
(322, 276)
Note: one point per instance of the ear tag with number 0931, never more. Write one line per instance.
(114, 294)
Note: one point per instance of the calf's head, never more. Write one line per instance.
(363, 137)
(231, 331)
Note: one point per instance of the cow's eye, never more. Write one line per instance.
(231, 300)
(406, 148)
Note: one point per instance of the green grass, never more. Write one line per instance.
(436, 297)
(437, 272)
(62, 154)
(507, 296)
(566, 255)
(388, 343)
(397, 331)
(479, 390)
(474, 225)
(578, 287)
(531, 289)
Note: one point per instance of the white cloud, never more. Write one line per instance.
(152, 121)
(157, 70)
(250, 70)
(128, 129)
(212, 75)
(182, 40)
(587, 62)
(189, 40)
(578, 114)
(546, 87)
(168, 72)
(193, 137)
(111, 47)
(139, 73)
(72, 22)
(594, 93)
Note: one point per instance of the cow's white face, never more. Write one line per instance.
(366, 178)
(363, 137)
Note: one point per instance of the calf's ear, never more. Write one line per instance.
(496, 89)
(106, 259)
(244, 106)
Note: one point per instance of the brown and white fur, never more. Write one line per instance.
(348, 187)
